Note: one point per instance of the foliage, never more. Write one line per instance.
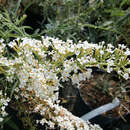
(93, 20)
(11, 27)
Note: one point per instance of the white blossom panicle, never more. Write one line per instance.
(41, 66)
(65, 119)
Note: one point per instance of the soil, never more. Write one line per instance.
(102, 88)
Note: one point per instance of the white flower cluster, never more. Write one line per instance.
(106, 57)
(3, 103)
(41, 65)
(55, 113)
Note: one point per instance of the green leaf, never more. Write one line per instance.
(123, 19)
(12, 124)
(17, 6)
(115, 12)
(13, 88)
(124, 2)
(5, 120)
(107, 23)
(2, 69)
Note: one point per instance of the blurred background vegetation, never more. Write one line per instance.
(92, 20)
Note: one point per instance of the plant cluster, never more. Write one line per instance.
(11, 26)
(31, 72)
(91, 20)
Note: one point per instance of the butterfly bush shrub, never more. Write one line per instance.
(34, 70)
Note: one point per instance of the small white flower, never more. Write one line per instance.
(89, 73)
(3, 108)
(4, 113)
(12, 44)
(126, 76)
(75, 79)
(101, 52)
(1, 119)
(127, 52)
(109, 69)
(1, 40)
(122, 46)
(119, 71)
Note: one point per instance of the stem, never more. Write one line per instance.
(17, 6)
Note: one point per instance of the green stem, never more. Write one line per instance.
(17, 6)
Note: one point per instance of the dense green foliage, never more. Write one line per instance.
(85, 20)
(92, 20)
